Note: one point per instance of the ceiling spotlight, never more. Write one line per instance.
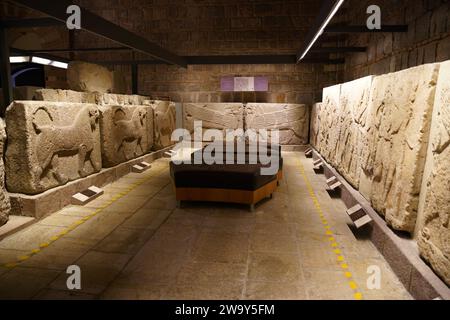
(48, 62)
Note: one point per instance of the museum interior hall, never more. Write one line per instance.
(225, 150)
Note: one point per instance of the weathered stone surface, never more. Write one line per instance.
(126, 133)
(316, 113)
(164, 113)
(65, 96)
(89, 77)
(292, 120)
(401, 107)
(214, 115)
(354, 100)
(5, 205)
(329, 123)
(49, 144)
(120, 99)
(434, 239)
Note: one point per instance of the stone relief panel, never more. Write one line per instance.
(125, 133)
(89, 77)
(5, 205)
(50, 144)
(58, 95)
(434, 238)
(354, 100)
(401, 106)
(165, 123)
(329, 132)
(214, 115)
(292, 120)
(316, 113)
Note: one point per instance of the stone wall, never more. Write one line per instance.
(50, 144)
(292, 120)
(427, 40)
(4, 199)
(214, 115)
(315, 122)
(433, 223)
(126, 133)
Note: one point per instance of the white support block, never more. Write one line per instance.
(334, 186)
(332, 180)
(308, 153)
(362, 221)
(353, 210)
(316, 162)
(141, 167)
(86, 196)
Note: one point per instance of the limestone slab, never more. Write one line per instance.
(401, 107)
(316, 113)
(292, 120)
(354, 100)
(164, 113)
(5, 205)
(50, 144)
(434, 238)
(89, 77)
(329, 125)
(220, 116)
(58, 95)
(126, 133)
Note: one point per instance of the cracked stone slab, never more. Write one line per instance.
(401, 107)
(89, 77)
(50, 144)
(220, 116)
(329, 123)
(292, 120)
(434, 237)
(316, 115)
(165, 123)
(5, 205)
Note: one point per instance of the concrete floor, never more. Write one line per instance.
(133, 243)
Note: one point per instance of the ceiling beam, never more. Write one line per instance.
(247, 59)
(97, 25)
(338, 49)
(364, 29)
(31, 23)
(109, 49)
(326, 13)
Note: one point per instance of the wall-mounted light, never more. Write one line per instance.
(39, 60)
(21, 59)
(330, 16)
(48, 62)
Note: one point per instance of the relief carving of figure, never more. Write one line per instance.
(131, 130)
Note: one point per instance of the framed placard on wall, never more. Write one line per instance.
(244, 84)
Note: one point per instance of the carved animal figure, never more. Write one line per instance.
(131, 130)
(53, 140)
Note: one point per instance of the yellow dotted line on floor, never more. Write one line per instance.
(76, 224)
(331, 237)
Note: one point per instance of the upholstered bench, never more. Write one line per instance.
(229, 183)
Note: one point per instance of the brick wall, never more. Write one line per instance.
(427, 41)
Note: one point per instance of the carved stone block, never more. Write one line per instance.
(50, 144)
(164, 123)
(5, 205)
(329, 123)
(434, 238)
(401, 110)
(126, 133)
(354, 100)
(58, 95)
(292, 120)
(89, 77)
(316, 114)
(214, 115)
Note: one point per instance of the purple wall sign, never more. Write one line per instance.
(261, 84)
(227, 84)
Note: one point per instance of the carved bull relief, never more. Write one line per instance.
(50, 144)
(124, 133)
(164, 123)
